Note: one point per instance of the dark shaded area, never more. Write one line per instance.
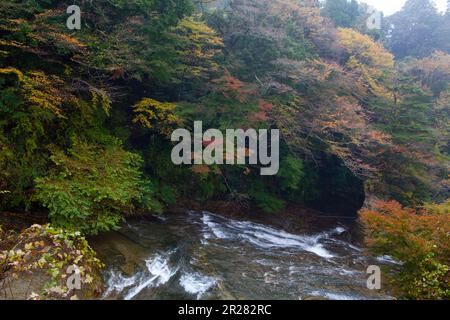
(340, 191)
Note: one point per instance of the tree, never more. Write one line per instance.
(418, 239)
(344, 13)
(258, 32)
(416, 30)
(374, 63)
(57, 85)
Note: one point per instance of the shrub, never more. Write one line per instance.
(92, 188)
(266, 201)
(292, 171)
(417, 238)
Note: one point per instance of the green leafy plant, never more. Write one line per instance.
(269, 203)
(92, 188)
(291, 173)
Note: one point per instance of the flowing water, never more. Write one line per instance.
(200, 255)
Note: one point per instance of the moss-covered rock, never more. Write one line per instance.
(43, 262)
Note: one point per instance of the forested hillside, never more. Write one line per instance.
(86, 115)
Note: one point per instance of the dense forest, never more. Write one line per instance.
(86, 118)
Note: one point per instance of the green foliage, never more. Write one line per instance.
(432, 283)
(291, 173)
(344, 13)
(93, 187)
(38, 110)
(30, 102)
(166, 194)
(266, 201)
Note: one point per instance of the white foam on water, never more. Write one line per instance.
(340, 230)
(117, 282)
(160, 273)
(329, 234)
(353, 247)
(215, 228)
(345, 272)
(388, 259)
(197, 284)
(264, 262)
(266, 237)
(335, 296)
(328, 271)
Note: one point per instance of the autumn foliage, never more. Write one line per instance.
(419, 239)
(86, 115)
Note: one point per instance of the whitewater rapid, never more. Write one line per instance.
(207, 256)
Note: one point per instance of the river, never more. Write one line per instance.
(201, 255)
